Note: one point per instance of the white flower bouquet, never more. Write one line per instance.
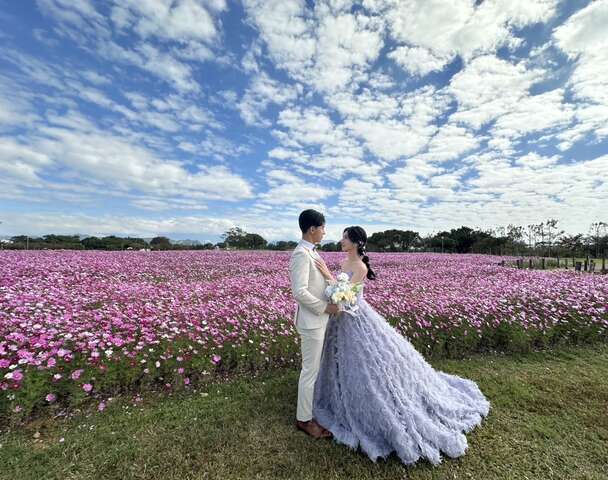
(344, 293)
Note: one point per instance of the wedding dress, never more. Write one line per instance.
(376, 391)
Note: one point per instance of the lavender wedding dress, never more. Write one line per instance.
(374, 390)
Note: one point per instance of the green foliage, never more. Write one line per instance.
(547, 421)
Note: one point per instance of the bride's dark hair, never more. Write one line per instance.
(358, 236)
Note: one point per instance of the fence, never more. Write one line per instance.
(589, 265)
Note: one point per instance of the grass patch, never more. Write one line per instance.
(548, 420)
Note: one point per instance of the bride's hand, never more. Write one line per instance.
(321, 265)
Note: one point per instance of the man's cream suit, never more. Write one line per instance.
(308, 287)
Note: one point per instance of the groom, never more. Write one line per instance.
(312, 313)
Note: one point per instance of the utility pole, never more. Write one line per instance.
(441, 243)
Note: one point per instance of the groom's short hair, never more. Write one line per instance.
(310, 218)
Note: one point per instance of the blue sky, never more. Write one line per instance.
(187, 117)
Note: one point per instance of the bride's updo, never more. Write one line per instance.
(358, 236)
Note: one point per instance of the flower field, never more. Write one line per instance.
(81, 325)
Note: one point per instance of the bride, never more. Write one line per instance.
(376, 391)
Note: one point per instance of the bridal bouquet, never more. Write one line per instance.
(344, 293)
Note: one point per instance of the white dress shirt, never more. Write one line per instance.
(307, 244)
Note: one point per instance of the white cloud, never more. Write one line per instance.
(325, 48)
(418, 60)
(489, 87)
(180, 21)
(73, 147)
(20, 163)
(439, 30)
(263, 91)
(583, 38)
(289, 189)
(215, 146)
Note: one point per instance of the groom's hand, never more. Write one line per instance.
(332, 309)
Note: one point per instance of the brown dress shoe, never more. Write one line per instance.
(312, 428)
(326, 433)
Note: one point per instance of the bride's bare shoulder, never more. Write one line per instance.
(360, 266)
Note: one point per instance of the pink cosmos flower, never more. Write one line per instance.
(76, 374)
(101, 406)
(87, 387)
(216, 359)
(51, 397)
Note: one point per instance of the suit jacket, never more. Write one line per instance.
(308, 288)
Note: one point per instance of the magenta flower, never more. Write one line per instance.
(192, 305)
(51, 397)
(87, 387)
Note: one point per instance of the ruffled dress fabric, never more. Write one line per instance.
(376, 391)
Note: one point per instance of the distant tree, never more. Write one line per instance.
(572, 244)
(56, 242)
(93, 243)
(253, 241)
(331, 247)
(550, 233)
(282, 245)
(234, 237)
(465, 237)
(394, 240)
(160, 243)
(598, 231)
(238, 238)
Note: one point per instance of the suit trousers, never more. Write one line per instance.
(311, 343)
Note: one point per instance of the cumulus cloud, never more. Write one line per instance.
(326, 48)
(405, 113)
(436, 31)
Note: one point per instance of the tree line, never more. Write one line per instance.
(543, 239)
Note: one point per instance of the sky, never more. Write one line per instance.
(185, 118)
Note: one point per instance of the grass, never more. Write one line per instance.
(549, 420)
